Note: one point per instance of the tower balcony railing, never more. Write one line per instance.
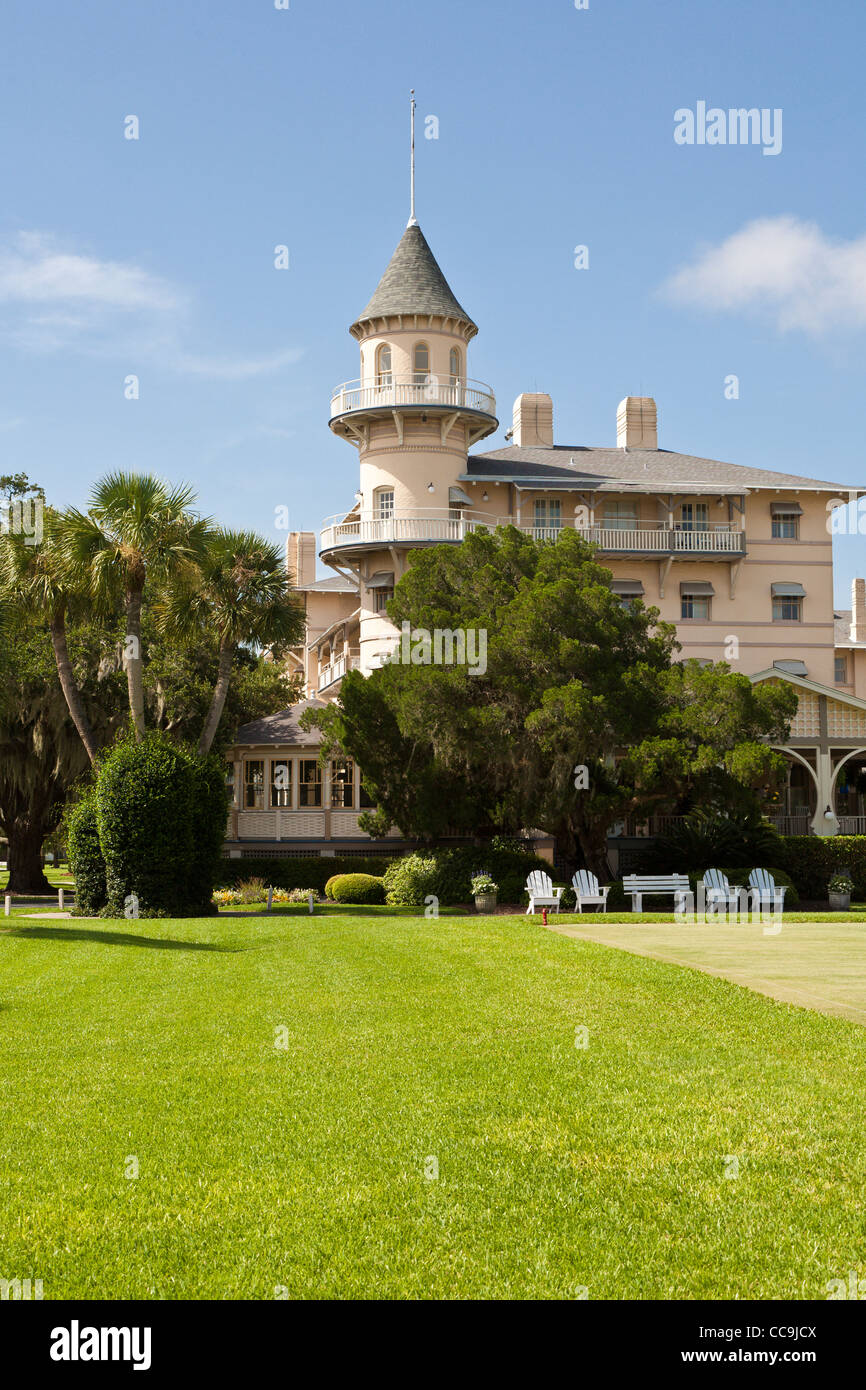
(429, 525)
(389, 390)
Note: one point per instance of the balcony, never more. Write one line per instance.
(336, 670)
(427, 526)
(390, 392)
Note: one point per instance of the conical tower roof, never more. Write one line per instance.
(413, 284)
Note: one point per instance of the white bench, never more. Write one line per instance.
(638, 884)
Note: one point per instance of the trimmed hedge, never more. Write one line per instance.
(85, 857)
(313, 872)
(812, 860)
(446, 874)
(161, 816)
(356, 888)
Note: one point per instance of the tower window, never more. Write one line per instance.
(454, 365)
(383, 365)
(421, 363)
(383, 503)
(788, 608)
(841, 670)
(786, 526)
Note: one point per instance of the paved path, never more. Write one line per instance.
(817, 965)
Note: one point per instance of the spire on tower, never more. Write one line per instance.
(412, 222)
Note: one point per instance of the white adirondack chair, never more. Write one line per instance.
(586, 890)
(719, 890)
(541, 892)
(769, 894)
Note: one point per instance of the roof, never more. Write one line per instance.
(281, 727)
(414, 284)
(832, 692)
(842, 624)
(645, 470)
(339, 584)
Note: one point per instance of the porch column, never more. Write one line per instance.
(821, 823)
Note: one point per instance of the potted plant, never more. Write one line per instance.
(485, 892)
(840, 889)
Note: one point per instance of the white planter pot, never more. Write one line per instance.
(840, 902)
(485, 902)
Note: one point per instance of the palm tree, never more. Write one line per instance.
(244, 596)
(136, 527)
(38, 578)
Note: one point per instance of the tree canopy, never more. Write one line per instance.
(582, 715)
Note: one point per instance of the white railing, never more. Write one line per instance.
(388, 391)
(432, 525)
(852, 825)
(427, 525)
(791, 825)
(336, 670)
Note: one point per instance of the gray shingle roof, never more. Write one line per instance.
(414, 284)
(651, 470)
(338, 585)
(281, 727)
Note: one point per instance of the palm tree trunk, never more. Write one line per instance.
(133, 661)
(72, 694)
(221, 690)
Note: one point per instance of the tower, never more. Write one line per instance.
(413, 414)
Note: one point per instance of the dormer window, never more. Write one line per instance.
(421, 364)
(383, 503)
(383, 365)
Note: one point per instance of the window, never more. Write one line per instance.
(281, 782)
(254, 784)
(548, 515)
(421, 362)
(620, 516)
(841, 672)
(786, 526)
(695, 606)
(787, 608)
(230, 783)
(382, 598)
(383, 503)
(454, 365)
(309, 782)
(694, 516)
(365, 800)
(342, 783)
(383, 365)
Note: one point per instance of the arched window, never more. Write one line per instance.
(383, 503)
(421, 363)
(454, 365)
(383, 365)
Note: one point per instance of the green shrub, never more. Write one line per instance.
(310, 872)
(357, 888)
(210, 803)
(447, 874)
(332, 880)
(85, 856)
(812, 860)
(709, 838)
(145, 797)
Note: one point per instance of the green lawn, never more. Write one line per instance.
(407, 1041)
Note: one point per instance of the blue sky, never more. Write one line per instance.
(261, 127)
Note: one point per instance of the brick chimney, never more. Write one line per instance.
(858, 610)
(301, 556)
(532, 421)
(636, 423)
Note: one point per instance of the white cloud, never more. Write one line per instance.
(54, 299)
(781, 267)
(35, 271)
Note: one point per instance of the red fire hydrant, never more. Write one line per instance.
(544, 916)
